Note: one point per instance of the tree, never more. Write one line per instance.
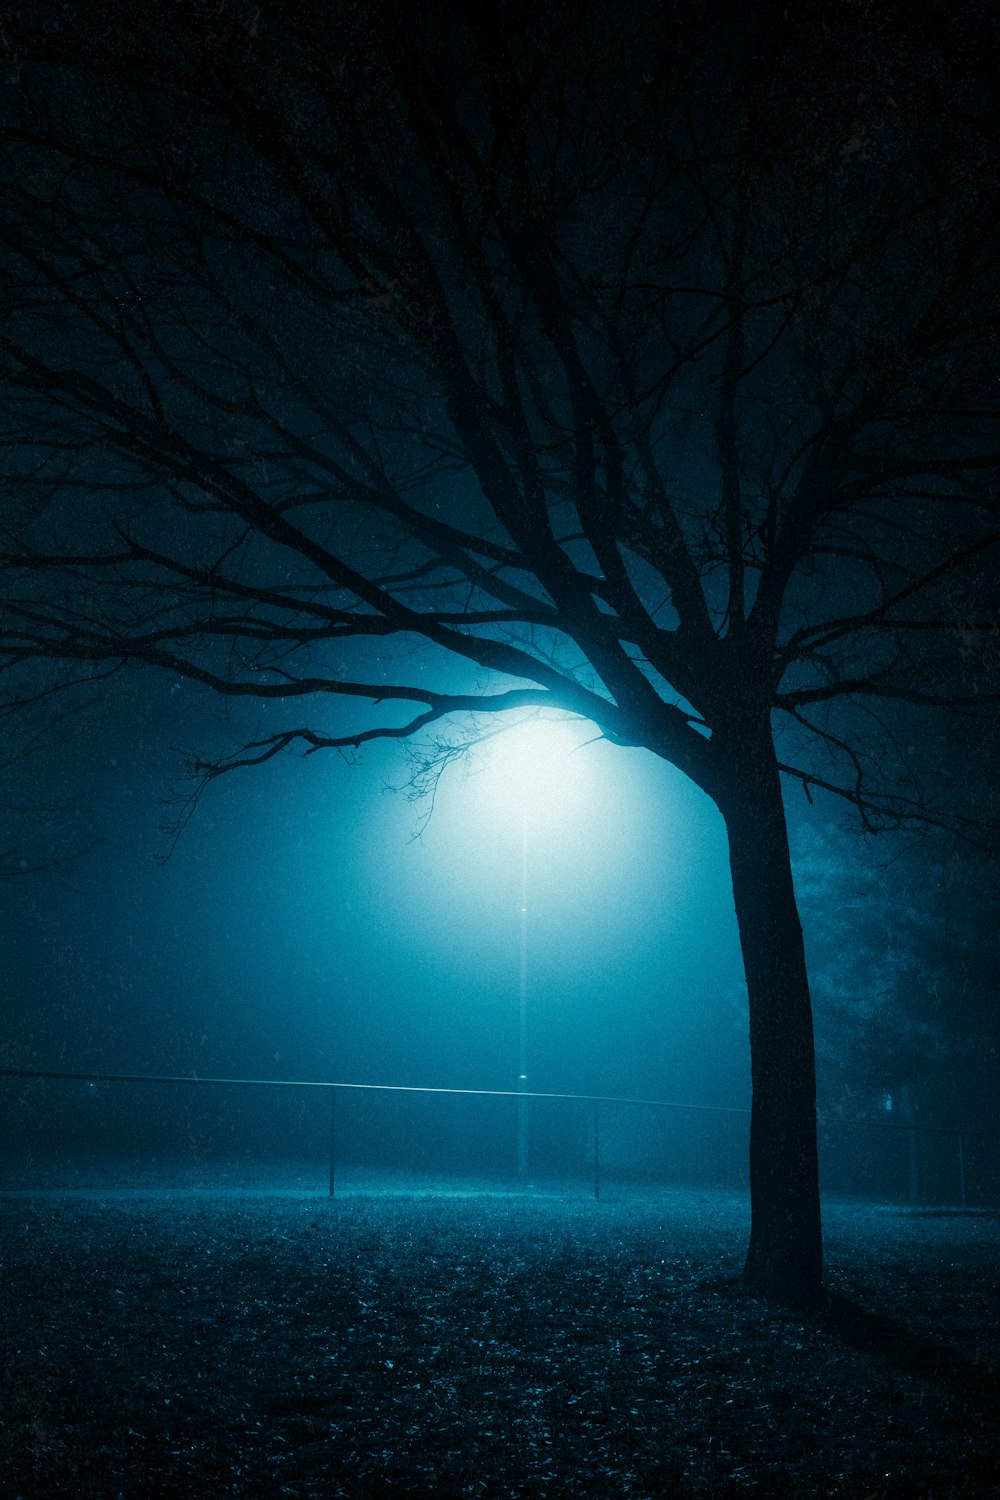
(907, 1024)
(639, 366)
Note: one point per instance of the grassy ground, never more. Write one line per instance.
(267, 1342)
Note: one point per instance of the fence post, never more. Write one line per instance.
(333, 1140)
(597, 1150)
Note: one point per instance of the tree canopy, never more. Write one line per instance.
(639, 376)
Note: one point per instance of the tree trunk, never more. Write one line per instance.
(785, 1257)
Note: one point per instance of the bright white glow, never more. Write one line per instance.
(538, 769)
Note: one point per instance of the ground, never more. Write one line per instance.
(260, 1340)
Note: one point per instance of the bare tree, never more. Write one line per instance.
(631, 366)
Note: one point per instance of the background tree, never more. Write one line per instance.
(640, 366)
(900, 950)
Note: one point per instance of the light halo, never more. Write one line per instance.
(534, 769)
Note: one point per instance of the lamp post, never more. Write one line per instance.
(535, 774)
(522, 1011)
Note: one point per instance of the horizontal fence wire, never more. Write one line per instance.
(827, 1120)
(824, 1119)
(374, 1088)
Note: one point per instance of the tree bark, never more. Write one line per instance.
(785, 1256)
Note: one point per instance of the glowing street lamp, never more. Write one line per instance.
(533, 770)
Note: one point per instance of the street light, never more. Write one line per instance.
(534, 770)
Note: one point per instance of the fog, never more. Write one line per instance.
(320, 920)
(317, 920)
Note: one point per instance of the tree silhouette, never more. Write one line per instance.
(639, 366)
(912, 1006)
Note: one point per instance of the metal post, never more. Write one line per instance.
(597, 1150)
(522, 1012)
(333, 1141)
(961, 1166)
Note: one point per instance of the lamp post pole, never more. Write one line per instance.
(522, 1011)
(533, 782)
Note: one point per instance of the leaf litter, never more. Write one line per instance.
(508, 1346)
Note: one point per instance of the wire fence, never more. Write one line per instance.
(584, 1136)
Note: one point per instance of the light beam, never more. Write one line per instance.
(536, 776)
